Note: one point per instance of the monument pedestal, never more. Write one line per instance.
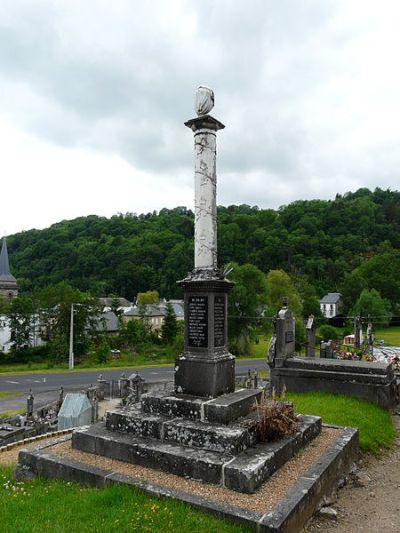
(205, 368)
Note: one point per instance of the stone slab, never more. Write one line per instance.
(224, 409)
(244, 472)
(339, 365)
(231, 439)
(251, 468)
(288, 516)
(169, 457)
(206, 377)
(385, 395)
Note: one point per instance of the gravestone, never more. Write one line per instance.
(357, 332)
(124, 385)
(29, 405)
(285, 335)
(205, 368)
(326, 351)
(370, 338)
(310, 336)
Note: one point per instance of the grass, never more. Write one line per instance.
(391, 335)
(374, 423)
(59, 507)
(8, 394)
(12, 412)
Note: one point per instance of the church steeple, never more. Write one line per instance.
(8, 284)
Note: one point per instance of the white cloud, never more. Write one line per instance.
(93, 97)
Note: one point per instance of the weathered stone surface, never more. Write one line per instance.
(208, 377)
(289, 515)
(232, 406)
(252, 467)
(223, 410)
(225, 439)
(170, 457)
(374, 382)
(132, 420)
(168, 404)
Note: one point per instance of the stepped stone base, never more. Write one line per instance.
(374, 382)
(290, 513)
(244, 472)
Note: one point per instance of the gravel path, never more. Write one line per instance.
(370, 502)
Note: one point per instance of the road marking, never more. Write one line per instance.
(13, 382)
(155, 373)
(34, 380)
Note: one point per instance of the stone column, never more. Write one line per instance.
(206, 368)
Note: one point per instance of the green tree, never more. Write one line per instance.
(247, 302)
(279, 286)
(328, 332)
(21, 320)
(371, 304)
(55, 304)
(169, 328)
(148, 297)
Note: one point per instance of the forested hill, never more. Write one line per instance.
(323, 240)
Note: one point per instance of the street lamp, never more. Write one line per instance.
(71, 339)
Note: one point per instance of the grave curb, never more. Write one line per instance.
(288, 516)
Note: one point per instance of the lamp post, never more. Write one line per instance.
(71, 340)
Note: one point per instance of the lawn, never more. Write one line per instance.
(8, 394)
(391, 335)
(59, 507)
(375, 424)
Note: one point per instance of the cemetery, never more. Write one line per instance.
(240, 453)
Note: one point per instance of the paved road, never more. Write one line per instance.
(79, 380)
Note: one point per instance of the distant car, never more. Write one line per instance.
(380, 342)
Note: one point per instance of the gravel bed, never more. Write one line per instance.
(10, 457)
(266, 497)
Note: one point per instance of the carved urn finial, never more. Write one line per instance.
(203, 100)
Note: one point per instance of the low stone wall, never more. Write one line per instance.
(373, 382)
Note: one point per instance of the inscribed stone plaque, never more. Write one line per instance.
(289, 336)
(219, 321)
(198, 322)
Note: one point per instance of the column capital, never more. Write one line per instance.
(204, 122)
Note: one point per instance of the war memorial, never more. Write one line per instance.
(199, 441)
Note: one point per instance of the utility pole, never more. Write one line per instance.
(71, 340)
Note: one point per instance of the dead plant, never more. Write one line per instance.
(274, 419)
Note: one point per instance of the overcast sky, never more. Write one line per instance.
(93, 96)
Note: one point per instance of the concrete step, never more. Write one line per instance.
(167, 456)
(232, 438)
(244, 472)
(223, 410)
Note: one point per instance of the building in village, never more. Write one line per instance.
(8, 284)
(331, 304)
(8, 291)
(109, 302)
(154, 313)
